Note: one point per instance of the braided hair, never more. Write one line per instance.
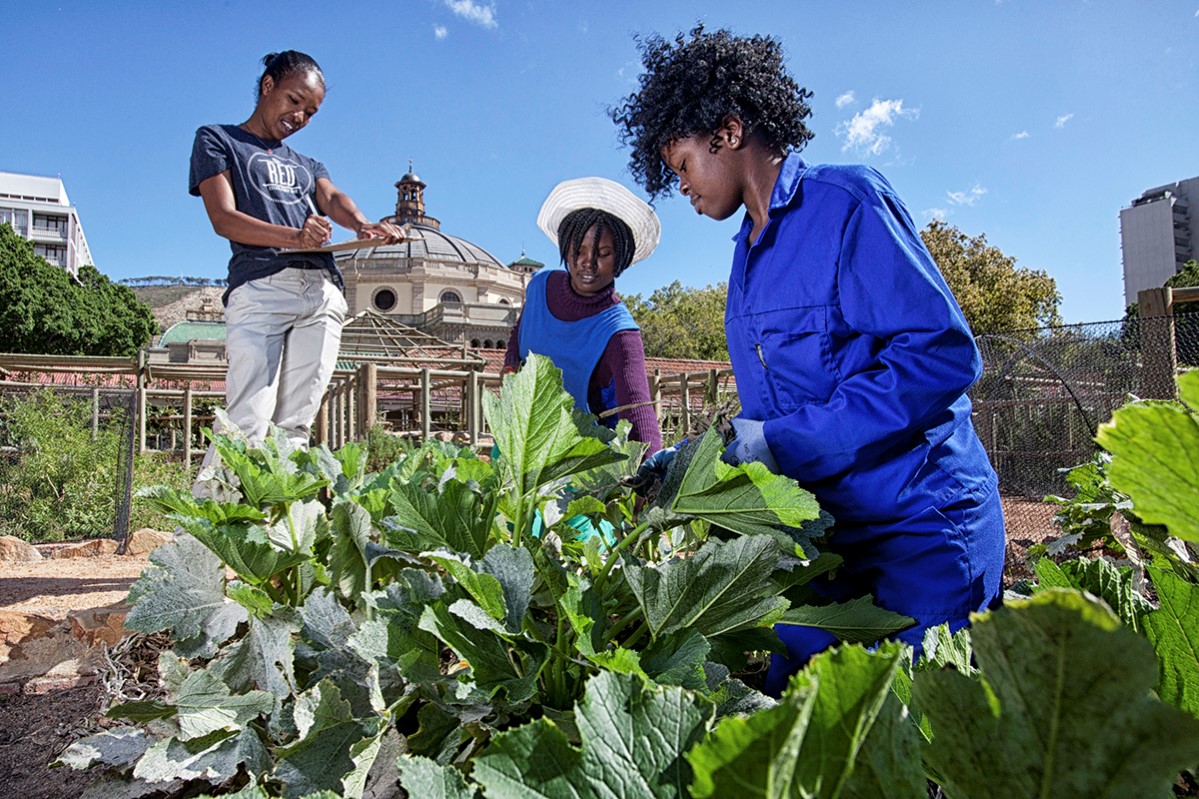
(280, 65)
(691, 85)
(575, 226)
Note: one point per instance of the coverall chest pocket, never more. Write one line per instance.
(794, 350)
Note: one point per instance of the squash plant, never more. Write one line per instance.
(320, 614)
(437, 629)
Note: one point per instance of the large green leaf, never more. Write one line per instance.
(1114, 585)
(512, 567)
(245, 548)
(484, 588)
(455, 517)
(810, 744)
(540, 434)
(119, 747)
(746, 499)
(1153, 446)
(205, 705)
(633, 737)
(329, 736)
(215, 758)
(265, 476)
(182, 590)
(492, 667)
(1064, 708)
(723, 588)
(1174, 631)
(423, 777)
(858, 621)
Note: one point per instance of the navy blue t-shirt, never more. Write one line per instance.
(271, 182)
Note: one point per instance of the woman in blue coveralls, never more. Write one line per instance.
(851, 356)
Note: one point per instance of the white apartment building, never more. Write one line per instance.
(1157, 235)
(40, 212)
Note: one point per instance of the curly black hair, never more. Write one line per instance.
(691, 85)
(575, 226)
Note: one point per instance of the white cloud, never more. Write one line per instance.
(474, 12)
(966, 197)
(1021, 135)
(862, 132)
(935, 213)
(1062, 120)
(440, 31)
(844, 99)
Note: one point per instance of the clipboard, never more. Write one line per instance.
(358, 244)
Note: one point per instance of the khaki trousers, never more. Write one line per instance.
(283, 335)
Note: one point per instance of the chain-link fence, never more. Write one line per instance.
(1044, 393)
(66, 461)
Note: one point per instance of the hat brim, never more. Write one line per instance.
(605, 195)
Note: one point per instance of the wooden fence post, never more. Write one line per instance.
(426, 404)
(141, 401)
(187, 426)
(1156, 311)
(368, 396)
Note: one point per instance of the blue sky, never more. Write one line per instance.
(1030, 122)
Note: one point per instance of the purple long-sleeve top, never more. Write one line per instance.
(622, 364)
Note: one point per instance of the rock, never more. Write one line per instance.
(14, 549)
(96, 625)
(145, 541)
(57, 656)
(88, 549)
(16, 626)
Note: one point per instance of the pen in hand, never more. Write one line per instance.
(315, 212)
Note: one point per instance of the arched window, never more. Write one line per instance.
(504, 301)
(487, 343)
(500, 344)
(384, 300)
(474, 342)
(451, 297)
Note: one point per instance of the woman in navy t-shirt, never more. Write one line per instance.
(283, 309)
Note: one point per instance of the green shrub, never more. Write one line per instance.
(156, 469)
(57, 481)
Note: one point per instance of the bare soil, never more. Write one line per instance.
(56, 586)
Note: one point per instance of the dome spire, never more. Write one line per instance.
(410, 202)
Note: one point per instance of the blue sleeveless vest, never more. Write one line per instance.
(574, 347)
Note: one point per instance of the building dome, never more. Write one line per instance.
(437, 282)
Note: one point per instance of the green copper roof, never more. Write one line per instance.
(193, 331)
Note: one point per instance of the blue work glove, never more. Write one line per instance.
(653, 470)
(748, 444)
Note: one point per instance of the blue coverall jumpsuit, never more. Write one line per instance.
(847, 343)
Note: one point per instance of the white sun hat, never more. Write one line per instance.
(606, 195)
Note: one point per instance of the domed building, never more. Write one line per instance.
(438, 283)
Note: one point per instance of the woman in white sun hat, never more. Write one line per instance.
(574, 317)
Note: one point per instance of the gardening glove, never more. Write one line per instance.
(747, 443)
(653, 470)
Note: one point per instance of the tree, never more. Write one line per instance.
(996, 295)
(682, 322)
(44, 311)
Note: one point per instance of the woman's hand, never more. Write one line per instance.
(391, 234)
(316, 231)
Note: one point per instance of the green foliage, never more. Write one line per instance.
(1053, 713)
(422, 610)
(682, 322)
(59, 482)
(42, 310)
(1152, 446)
(996, 296)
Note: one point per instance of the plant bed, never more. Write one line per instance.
(524, 627)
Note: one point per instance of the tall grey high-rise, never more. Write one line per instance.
(1157, 235)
